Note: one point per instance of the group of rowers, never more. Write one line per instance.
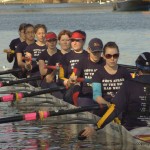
(91, 76)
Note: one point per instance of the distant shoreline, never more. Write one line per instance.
(38, 3)
(69, 6)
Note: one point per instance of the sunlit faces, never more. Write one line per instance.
(29, 33)
(65, 42)
(40, 34)
(111, 56)
(51, 43)
(77, 44)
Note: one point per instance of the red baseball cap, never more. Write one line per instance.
(50, 35)
(77, 35)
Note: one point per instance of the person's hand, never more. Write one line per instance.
(88, 131)
(28, 62)
(71, 80)
(8, 51)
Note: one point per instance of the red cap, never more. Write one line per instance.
(50, 35)
(77, 35)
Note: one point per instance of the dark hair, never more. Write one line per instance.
(81, 32)
(110, 45)
(36, 27)
(64, 32)
(22, 26)
(28, 26)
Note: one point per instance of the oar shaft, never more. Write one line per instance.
(73, 111)
(29, 59)
(8, 83)
(10, 71)
(20, 95)
(130, 68)
(83, 80)
(44, 91)
(12, 119)
(45, 114)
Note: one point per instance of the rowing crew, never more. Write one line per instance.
(89, 61)
(98, 64)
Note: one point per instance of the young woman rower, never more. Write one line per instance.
(65, 47)
(29, 39)
(47, 58)
(109, 78)
(70, 59)
(64, 40)
(133, 99)
(11, 52)
(34, 50)
(54, 56)
(85, 69)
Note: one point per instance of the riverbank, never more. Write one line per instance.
(54, 8)
(15, 2)
(44, 1)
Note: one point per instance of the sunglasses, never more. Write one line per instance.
(75, 40)
(52, 40)
(115, 56)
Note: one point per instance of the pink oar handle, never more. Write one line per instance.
(1, 84)
(30, 116)
(11, 97)
(33, 116)
(7, 98)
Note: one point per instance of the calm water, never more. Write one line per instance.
(129, 30)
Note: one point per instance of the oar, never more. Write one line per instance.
(29, 59)
(14, 90)
(44, 114)
(7, 51)
(8, 83)
(10, 71)
(56, 67)
(130, 68)
(20, 95)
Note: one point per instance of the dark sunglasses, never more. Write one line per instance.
(52, 40)
(115, 56)
(75, 40)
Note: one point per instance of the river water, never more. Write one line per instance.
(130, 30)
